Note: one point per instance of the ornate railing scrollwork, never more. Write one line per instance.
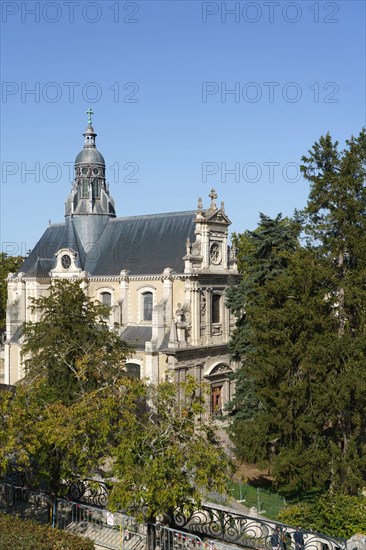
(89, 491)
(247, 531)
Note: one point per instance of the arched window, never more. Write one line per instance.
(106, 298)
(134, 370)
(216, 308)
(147, 305)
(96, 189)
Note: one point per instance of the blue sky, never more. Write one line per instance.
(158, 76)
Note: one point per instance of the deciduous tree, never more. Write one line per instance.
(77, 412)
(168, 457)
(70, 345)
(336, 514)
(60, 421)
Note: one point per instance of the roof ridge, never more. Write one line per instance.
(159, 215)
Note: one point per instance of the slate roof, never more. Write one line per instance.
(144, 245)
(137, 336)
(90, 155)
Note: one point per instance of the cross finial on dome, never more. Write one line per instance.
(213, 197)
(89, 112)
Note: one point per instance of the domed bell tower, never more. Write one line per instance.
(89, 205)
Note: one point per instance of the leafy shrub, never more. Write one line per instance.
(332, 514)
(26, 535)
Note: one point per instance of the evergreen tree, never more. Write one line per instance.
(301, 393)
(335, 221)
(271, 305)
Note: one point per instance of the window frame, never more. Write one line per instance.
(216, 296)
(140, 309)
(147, 308)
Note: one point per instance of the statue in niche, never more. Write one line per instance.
(196, 249)
(187, 313)
(203, 306)
(179, 314)
(182, 313)
(169, 376)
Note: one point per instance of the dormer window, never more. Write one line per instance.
(66, 261)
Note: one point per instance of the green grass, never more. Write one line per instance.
(270, 504)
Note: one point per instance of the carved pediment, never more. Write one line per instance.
(221, 369)
(217, 216)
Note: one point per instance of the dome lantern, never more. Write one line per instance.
(90, 194)
(90, 154)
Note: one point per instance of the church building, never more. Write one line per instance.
(164, 276)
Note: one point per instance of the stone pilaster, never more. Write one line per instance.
(168, 295)
(225, 322)
(208, 296)
(151, 363)
(7, 363)
(125, 296)
(205, 247)
(158, 322)
(195, 314)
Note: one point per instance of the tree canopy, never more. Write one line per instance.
(338, 515)
(70, 345)
(169, 456)
(77, 412)
(59, 421)
(301, 307)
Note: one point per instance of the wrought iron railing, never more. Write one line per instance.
(108, 530)
(254, 532)
(209, 522)
(89, 491)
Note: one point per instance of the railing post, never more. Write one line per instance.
(151, 536)
(53, 512)
(222, 521)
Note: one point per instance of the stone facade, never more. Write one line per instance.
(163, 275)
